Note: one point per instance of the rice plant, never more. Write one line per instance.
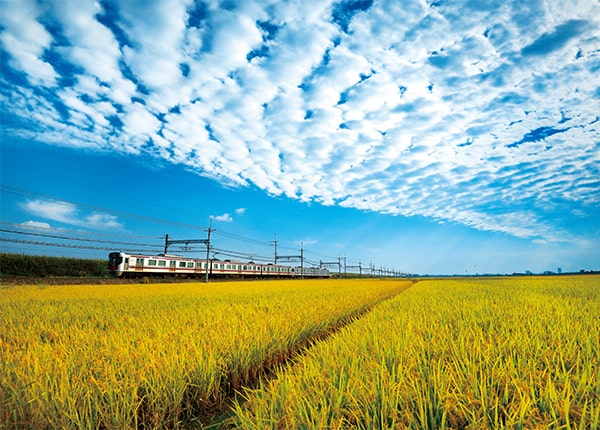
(155, 356)
(473, 353)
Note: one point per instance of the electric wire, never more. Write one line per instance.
(146, 247)
(66, 245)
(22, 192)
(24, 226)
(56, 236)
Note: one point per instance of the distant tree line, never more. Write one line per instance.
(44, 266)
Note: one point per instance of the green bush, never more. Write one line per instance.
(43, 266)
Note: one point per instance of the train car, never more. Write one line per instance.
(121, 264)
(313, 272)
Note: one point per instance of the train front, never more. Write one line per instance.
(115, 263)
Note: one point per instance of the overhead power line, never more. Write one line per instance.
(70, 235)
(27, 227)
(70, 245)
(26, 193)
(80, 239)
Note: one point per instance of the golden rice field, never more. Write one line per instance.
(475, 353)
(515, 353)
(156, 356)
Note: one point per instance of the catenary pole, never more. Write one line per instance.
(208, 262)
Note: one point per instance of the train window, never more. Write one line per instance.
(182, 264)
(162, 263)
(115, 258)
(190, 264)
(151, 262)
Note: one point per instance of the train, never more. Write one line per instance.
(123, 265)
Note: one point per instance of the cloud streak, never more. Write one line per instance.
(446, 110)
(68, 213)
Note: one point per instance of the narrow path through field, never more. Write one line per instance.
(219, 415)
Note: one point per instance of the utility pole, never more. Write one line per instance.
(185, 242)
(208, 262)
(274, 243)
(302, 260)
(328, 263)
(291, 257)
(346, 267)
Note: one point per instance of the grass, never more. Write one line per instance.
(451, 353)
(150, 356)
(476, 353)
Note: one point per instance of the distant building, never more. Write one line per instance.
(559, 270)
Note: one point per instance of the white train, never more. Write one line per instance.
(121, 264)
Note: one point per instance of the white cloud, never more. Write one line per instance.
(25, 39)
(69, 213)
(139, 123)
(93, 46)
(240, 211)
(457, 112)
(36, 224)
(56, 211)
(223, 218)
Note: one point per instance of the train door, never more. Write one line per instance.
(172, 265)
(139, 264)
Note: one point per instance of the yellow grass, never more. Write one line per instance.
(473, 353)
(129, 356)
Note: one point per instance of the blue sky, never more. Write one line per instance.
(424, 136)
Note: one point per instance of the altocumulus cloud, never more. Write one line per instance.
(480, 113)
